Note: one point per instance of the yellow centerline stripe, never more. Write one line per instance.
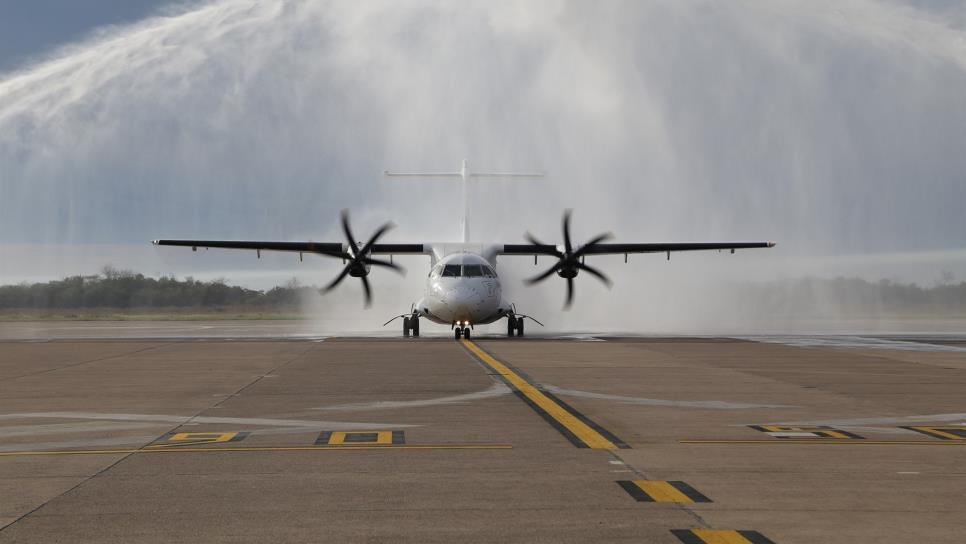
(720, 536)
(830, 441)
(152, 449)
(581, 430)
(662, 491)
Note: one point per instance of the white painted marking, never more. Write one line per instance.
(326, 425)
(854, 342)
(496, 390)
(616, 462)
(891, 420)
(709, 404)
(70, 428)
(580, 338)
(122, 441)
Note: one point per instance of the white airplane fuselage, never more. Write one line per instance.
(463, 288)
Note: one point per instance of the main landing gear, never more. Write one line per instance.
(411, 326)
(514, 325)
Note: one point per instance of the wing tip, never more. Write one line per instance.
(771, 244)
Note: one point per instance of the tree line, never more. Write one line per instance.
(125, 289)
(855, 296)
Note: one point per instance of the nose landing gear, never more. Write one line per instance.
(460, 331)
(411, 326)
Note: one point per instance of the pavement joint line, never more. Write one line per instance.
(831, 441)
(577, 428)
(255, 449)
(129, 453)
(89, 361)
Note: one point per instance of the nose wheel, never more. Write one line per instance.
(514, 326)
(461, 332)
(411, 326)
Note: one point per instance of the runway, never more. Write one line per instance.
(156, 437)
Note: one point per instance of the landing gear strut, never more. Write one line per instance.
(514, 325)
(411, 325)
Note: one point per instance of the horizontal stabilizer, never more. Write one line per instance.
(424, 174)
(523, 175)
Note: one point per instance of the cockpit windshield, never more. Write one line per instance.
(472, 270)
(463, 270)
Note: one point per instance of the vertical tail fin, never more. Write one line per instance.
(464, 175)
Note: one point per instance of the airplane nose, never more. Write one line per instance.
(463, 302)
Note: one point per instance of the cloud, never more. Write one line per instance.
(833, 127)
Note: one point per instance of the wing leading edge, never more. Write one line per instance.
(619, 249)
(321, 248)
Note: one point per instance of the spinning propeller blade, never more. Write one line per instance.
(358, 261)
(569, 262)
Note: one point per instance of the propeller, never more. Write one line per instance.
(570, 261)
(358, 260)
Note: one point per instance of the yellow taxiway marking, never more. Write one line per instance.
(266, 449)
(662, 491)
(720, 536)
(585, 433)
(382, 437)
(831, 441)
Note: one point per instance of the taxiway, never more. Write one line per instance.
(664, 440)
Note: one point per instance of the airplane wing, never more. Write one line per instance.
(321, 248)
(623, 249)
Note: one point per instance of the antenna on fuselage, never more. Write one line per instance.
(464, 175)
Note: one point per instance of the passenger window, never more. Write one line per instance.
(451, 271)
(472, 270)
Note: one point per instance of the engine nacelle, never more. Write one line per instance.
(358, 270)
(568, 272)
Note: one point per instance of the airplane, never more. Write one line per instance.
(463, 288)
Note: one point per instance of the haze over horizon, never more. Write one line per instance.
(834, 128)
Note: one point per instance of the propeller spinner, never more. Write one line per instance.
(569, 262)
(358, 260)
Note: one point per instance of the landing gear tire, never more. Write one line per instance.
(406, 327)
(466, 333)
(511, 326)
(519, 327)
(457, 332)
(414, 325)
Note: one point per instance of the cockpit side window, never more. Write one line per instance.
(488, 272)
(435, 272)
(472, 271)
(451, 271)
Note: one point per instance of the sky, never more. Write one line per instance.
(31, 30)
(833, 128)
